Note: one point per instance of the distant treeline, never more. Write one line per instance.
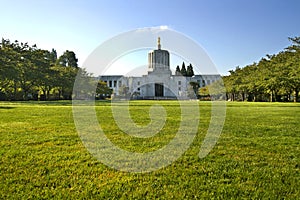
(273, 78)
(30, 73)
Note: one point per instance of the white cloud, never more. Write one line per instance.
(163, 27)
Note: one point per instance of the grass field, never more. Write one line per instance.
(256, 157)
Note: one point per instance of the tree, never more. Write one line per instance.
(26, 70)
(190, 71)
(274, 78)
(203, 93)
(177, 72)
(45, 80)
(252, 82)
(65, 81)
(124, 91)
(294, 60)
(217, 90)
(68, 59)
(8, 70)
(52, 57)
(67, 68)
(191, 92)
(103, 90)
(231, 83)
(195, 86)
(183, 70)
(84, 87)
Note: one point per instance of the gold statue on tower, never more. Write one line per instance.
(158, 43)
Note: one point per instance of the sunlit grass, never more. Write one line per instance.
(257, 155)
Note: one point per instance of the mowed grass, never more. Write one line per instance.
(256, 157)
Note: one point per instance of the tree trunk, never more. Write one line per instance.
(59, 93)
(44, 93)
(243, 96)
(15, 91)
(25, 95)
(295, 95)
(47, 94)
(277, 97)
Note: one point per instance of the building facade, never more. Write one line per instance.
(158, 83)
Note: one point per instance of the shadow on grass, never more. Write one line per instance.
(56, 103)
(6, 107)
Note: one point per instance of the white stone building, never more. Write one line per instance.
(159, 83)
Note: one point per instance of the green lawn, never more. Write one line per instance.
(256, 157)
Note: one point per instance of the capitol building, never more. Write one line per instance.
(159, 82)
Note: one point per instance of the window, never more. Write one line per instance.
(179, 88)
(138, 82)
(115, 83)
(179, 82)
(110, 83)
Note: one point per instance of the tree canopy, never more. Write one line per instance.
(183, 71)
(27, 72)
(274, 78)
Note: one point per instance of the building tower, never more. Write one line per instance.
(159, 60)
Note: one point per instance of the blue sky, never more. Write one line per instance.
(232, 32)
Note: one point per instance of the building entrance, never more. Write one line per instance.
(159, 89)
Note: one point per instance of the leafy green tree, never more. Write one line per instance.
(67, 69)
(52, 57)
(103, 90)
(27, 69)
(191, 92)
(195, 86)
(85, 85)
(252, 81)
(8, 70)
(124, 91)
(203, 93)
(65, 81)
(232, 83)
(273, 78)
(217, 90)
(68, 59)
(294, 66)
(46, 73)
